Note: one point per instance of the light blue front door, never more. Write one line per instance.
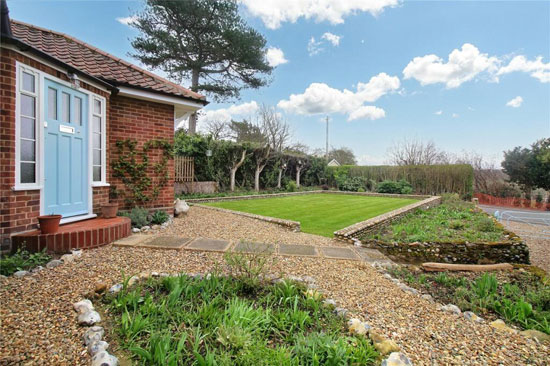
(65, 150)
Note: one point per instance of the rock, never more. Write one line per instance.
(89, 318)
(77, 253)
(93, 334)
(67, 258)
(408, 289)
(155, 227)
(451, 309)
(386, 275)
(135, 230)
(54, 263)
(386, 347)
(103, 358)
(20, 274)
(501, 325)
(155, 274)
(341, 311)
(115, 288)
(37, 269)
(100, 287)
(427, 297)
(145, 228)
(397, 359)
(83, 306)
(356, 326)
(309, 279)
(132, 280)
(295, 278)
(180, 207)
(330, 302)
(535, 334)
(472, 317)
(96, 347)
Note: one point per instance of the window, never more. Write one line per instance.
(78, 111)
(65, 107)
(27, 136)
(97, 141)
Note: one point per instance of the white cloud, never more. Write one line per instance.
(537, 68)
(314, 47)
(275, 12)
(439, 113)
(455, 115)
(127, 20)
(332, 38)
(463, 65)
(275, 56)
(226, 114)
(515, 103)
(321, 98)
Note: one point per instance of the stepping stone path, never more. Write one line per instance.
(215, 245)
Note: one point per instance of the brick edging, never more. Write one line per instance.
(349, 233)
(293, 225)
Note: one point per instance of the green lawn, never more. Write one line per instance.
(320, 214)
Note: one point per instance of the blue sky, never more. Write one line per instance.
(470, 75)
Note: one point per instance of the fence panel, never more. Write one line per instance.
(184, 168)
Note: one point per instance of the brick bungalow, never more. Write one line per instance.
(64, 106)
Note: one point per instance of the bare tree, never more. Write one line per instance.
(218, 129)
(274, 128)
(237, 161)
(486, 172)
(300, 164)
(262, 158)
(416, 152)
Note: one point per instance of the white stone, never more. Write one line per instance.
(133, 280)
(180, 207)
(37, 269)
(115, 288)
(388, 276)
(93, 334)
(135, 230)
(53, 263)
(103, 358)
(451, 308)
(146, 228)
(77, 253)
(155, 274)
(97, 346)
(397, 359)
(473, 317)
(155, 227)
(329, 302)
(89, 318)
(356, 326)
(427, 297)
(309, 279)
(341, 311)
(20, 274)
(83, 306)
(67, 258)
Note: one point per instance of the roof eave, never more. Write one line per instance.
(204, 102)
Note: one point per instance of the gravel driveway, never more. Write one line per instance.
(38, 325)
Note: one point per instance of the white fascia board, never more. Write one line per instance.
(159, 98)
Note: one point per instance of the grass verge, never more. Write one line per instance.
(320, 214)
(222, 320)
(452, 221)
(520, 296)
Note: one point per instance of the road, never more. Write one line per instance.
(519, 215)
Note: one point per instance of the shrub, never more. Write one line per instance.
(159, 217)
(139, 217)
(395, 187)
(361, 189)
(22, 260)
(291, 186)
(325, 187)
(351, 184)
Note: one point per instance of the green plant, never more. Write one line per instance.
(352, 184)
(291, 186)
(395, 187)
(22, 260)
(361, 189)
(139, 217)
(159, 217)
(250, 267)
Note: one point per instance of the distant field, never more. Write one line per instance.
(320, 214)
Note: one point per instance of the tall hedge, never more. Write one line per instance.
(425, 179)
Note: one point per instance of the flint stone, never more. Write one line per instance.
(93, 334)
(83, 306)
(451, 309)
(89, 318)
(77, 253)
(472, 317)
(96, 347)
(115, 288)
(103, 358)
(20, 274)
(54, 263)
(397, 359)
(67, 258)
(180, 207)
(135, 230)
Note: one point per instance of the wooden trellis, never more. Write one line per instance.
(184, 168)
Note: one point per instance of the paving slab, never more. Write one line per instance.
(165, 242)
(256, 248)
(371, 255)
(211, 245)
(339, 253)
(131, 241)
(299, 250)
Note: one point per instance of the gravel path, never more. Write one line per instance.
(39, 326)
(202, 222)
(537, 238)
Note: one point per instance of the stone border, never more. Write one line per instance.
(293, 225)
(350, 233)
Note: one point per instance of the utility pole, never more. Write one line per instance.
(326, 151)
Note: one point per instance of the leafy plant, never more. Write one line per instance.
(159, 217)
(291, 186)
(22, 260)
(395, 187)
(139, 216)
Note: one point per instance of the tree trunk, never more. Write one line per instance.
(259, 170)
(193, 118)
(279, 178)
(298, 170)
(234, 169)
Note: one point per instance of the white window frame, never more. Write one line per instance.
(19, 69)
(102, 115)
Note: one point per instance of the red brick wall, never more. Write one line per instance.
(142, 121)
